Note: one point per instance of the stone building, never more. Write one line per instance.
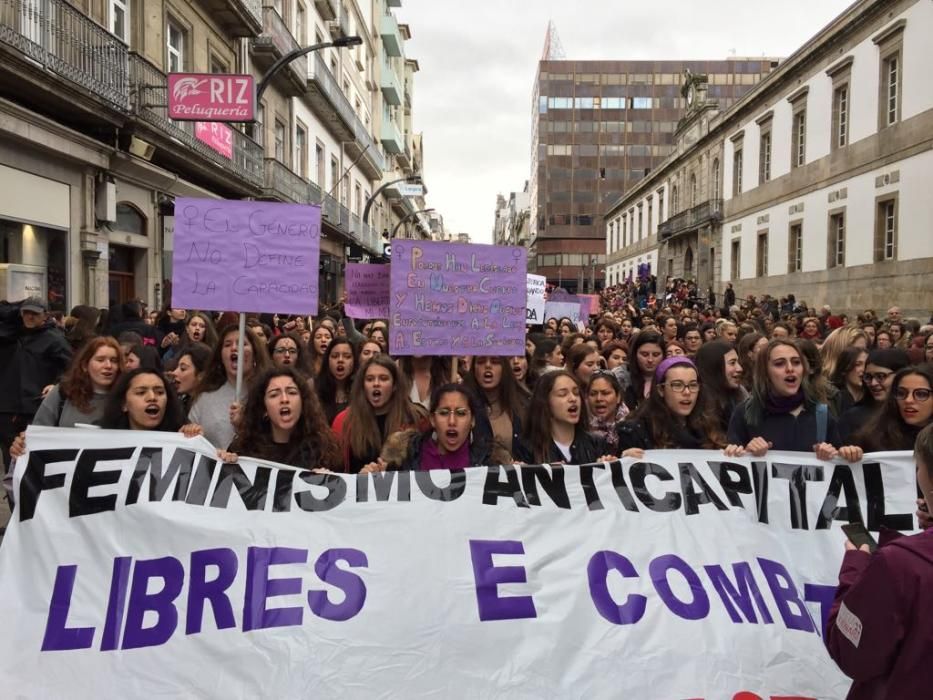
(90, 163)
(822, 170)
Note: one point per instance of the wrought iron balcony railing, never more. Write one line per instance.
(283, 183)
(690, 219)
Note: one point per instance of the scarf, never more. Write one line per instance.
(433, 458)
(606, 427)
(783, 404)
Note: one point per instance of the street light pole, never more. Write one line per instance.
(412, 179)
(407, 217)
(340, 43)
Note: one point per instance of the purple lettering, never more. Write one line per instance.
(793, 611)
(201, 591)
(488, 577)
(58, 636)
(352, 586)
(696, 609)
(116, 603)
(824, 595)
(259, 587)
(162, 602)
(742, 594)
(597, 571)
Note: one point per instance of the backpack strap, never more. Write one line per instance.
(821, 418)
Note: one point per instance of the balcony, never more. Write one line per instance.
(237, 17)
(54, 55)
(391, 36)
(404, 159)
(392, 139)
(393, 3)
(327, 9)
(407, 99)
(275, 42)
(283, 184)
(328, 102)
(389, 82)
(340, 27)
(707, 212)
(175, 141)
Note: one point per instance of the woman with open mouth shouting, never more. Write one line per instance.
(336, 377)
(288, 351)
(491, 379)
(458, 437)
(557, 430)
(215, 405)
(143, 399)
(907, 409)
(320, 339)
(379, 406)
(283, 422)
(783, 411)
(605, 406)
(673, 417)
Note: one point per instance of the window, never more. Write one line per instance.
(280, 142)
(650, 213)
(736, 259)
(716, 179)
(761, 257)
(319, 164)
(890, 43)
(837, 239)
(334, 174)
(175, 47)
(764, 157)
(301, 150)
(129, 220)
(886, 229)
(737, 172)
(641, 223)
(218, 65)
(301, 24)
(798, 148)
(840, 116)
(357, 199)
(693, 190)
(624, 230)
(675, 199)
(795, 247)
(660, 206)
(120, 19)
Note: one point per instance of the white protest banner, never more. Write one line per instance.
(137, 565)
(562, 309)
(367, 291)
(534, 312)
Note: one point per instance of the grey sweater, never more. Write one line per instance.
(211, 411)
(70, 414)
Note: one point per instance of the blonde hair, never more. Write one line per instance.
(834, 345)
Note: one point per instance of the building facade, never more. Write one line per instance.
(818, 178)
(90, 163)
(598, 127)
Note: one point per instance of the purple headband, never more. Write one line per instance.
(669, 362)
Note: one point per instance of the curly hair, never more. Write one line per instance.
(116, 418)
(215, 376)
(311, 434)
(76, 384)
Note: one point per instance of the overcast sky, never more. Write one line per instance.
(472, 98)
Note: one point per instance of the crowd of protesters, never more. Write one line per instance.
(655, 369)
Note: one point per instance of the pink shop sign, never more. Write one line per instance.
(217, 136)
(211, 97)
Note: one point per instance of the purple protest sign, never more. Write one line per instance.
(246, 256)
(367, 291)
(457, 299)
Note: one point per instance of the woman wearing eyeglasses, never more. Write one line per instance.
(672, 417)
(878, 377)
(288, 352)
(906, 411)
(452, 441)
(784, 412)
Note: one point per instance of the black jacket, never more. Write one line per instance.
(585, 449)
(30, 360)
(635, 433)
(785, 431)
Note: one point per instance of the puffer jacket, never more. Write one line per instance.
(402, 451)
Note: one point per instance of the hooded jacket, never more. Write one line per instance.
(879, 628)
(30, 360)
(402, 451)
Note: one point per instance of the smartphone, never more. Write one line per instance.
(859, 535)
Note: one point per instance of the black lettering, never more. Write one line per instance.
(689, 475)
(493, 489)
(842, 479)
(734, 479)
(282, 496)
(35, 480)
(336, 492)
(80, 502)
(550, 479)
(621, 488)
(639, 473)
(760, 482)
(180, 465)
(382, 486)
(448, 493)
(797, 476)
(874, 493)
(252, 492)
(201, 483)
(589, 485)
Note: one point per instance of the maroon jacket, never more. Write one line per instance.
(880, 627)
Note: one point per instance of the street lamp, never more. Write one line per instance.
(339, 43)
(412, 179)
(407, 217)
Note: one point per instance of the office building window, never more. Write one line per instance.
(837, 239)
(175, 39)
(886, 229)
(761, 258)
(736, 259)
(795, 248)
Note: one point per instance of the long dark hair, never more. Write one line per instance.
(719, 397)
(663, 426)
(326, 383)
(215, 376)
(255, 434)
(115, 417)
(638, 379)
(513, 397)
(302, 360)
(440, 369)
(538, 430)
(886, 430)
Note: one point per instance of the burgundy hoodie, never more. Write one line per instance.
(880, 627)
